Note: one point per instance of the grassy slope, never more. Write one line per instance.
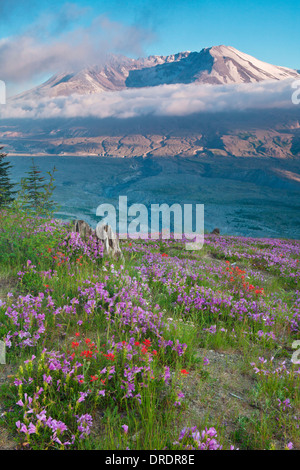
(220, 322)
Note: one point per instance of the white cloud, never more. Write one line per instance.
(165, 100)
(57, 43)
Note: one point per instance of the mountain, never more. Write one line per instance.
(215, 65)
(269, 133)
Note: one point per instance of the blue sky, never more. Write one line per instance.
(269, 31)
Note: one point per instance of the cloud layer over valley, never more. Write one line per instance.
(164, 100)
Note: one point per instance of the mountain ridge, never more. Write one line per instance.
(271, 134)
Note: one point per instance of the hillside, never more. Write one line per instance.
(262, 133)
(148, 352)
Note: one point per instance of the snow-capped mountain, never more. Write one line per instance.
(215, 65)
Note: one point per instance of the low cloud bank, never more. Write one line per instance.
(166, 100)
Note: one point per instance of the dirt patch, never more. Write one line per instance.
(6, 442)
(6, 286)
(219, 395)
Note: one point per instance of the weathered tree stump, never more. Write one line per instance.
(83, 228)
(109, 240)
(104, 233)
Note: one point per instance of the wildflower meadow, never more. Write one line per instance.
(164, 349)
